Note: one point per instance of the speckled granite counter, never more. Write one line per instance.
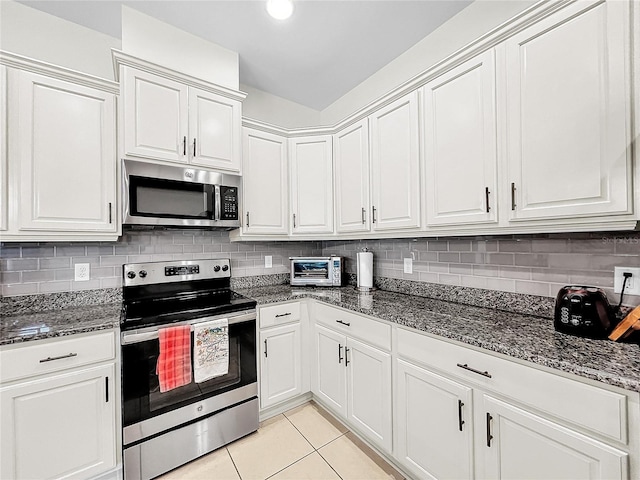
(58, 323)
(524, 337)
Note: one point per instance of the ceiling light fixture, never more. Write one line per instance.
(280, 9)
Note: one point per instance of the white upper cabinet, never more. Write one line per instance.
(62, 155)
(265, 189)
(3, 148)
(460, 144)
(215, 127)
(311, 185)
(567, 114)
(155, 116)
(395, 165)
(351, 159)
(165, 119)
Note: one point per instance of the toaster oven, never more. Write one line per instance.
(317, 271)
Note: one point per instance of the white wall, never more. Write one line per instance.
(158, 42)
(32, 33)
(263, 106)
(471, 23)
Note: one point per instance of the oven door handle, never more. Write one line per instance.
(135, 336)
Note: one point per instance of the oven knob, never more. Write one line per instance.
(142, 273)
(131, 274)
(225, 268)
(216, 268)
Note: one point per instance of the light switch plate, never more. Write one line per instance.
(408, 265)
(268, 261)
(82, 272)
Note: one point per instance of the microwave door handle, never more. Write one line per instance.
(217, 207)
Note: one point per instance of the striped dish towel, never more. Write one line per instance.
(174, 362)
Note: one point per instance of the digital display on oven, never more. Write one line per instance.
(181, 270)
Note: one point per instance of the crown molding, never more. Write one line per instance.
(32, 65)
(121, 58)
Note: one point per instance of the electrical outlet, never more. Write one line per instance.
(268, 261)
(408, 265)
(632, 286)
(83, 272)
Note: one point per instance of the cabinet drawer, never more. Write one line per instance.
(354, 325)
(47, 356)
(279, 314)
(587, 406)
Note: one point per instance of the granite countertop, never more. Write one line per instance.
(523, 337)
(58, 323)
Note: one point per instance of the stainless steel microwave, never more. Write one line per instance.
(317, 271)
(179, 196)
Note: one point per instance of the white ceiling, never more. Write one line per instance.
(324, 50)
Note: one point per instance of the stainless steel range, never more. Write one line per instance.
(165, 429)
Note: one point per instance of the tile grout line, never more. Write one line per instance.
(317, 450)
(233, 462)
(282, 469)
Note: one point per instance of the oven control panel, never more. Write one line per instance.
(181, 270)
(136, 274)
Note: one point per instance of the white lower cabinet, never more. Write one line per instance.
(61, 424)
(456, 418)
(434, 430)
(354, 380)
(284, 371)
(280, 361)
(519, 444)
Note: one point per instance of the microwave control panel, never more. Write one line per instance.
(229, 203)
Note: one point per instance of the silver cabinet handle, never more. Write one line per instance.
(513, 196)
(110, 214)
(340, 358)
(194, 148)
(364, 215)
(460, 420)
(294, 220)
(265, 349)
(346, 356)
(467, 367)
(51, 359)
(343, 323)
(184, 145)
(283, 314)
(247, 219)
(489, 436)
(373, 210)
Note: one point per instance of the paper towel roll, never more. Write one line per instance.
(365, 270)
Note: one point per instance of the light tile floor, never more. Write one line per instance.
(305, 443)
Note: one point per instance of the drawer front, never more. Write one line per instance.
(279, 314)
(40, 357)
(354, 325)
(587, 406)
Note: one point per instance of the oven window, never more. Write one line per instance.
(142, 398)
(311, 270)
(169, 198)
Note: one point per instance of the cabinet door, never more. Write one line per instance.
(434, 424)
(3, 149)
(264, 178)
(460, 144)
(64, 155)
(62, 426)
(395, 165)
(155, 116)
(280, 368)
(369, 391)
(517, 444)
(214, 130)
(330, 379)
(311, 185)
(351, 157)
(568, 112)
